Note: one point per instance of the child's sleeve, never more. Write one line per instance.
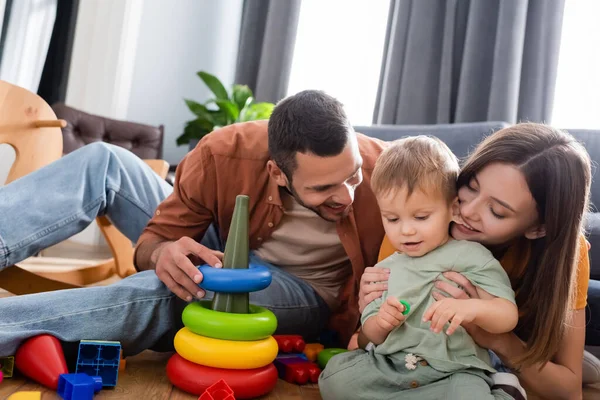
(373, 308)
(484, 271)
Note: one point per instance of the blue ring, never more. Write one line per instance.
(227, 280)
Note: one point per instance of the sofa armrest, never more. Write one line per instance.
(593, 236)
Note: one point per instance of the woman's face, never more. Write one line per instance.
(497, 207)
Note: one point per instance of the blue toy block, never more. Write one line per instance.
(78, 386)
(99, 358)
(292, 355)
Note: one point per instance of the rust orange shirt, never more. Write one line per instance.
(515, 260)
(232, 161)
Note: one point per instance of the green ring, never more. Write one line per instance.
(406, 307)
(259, 324)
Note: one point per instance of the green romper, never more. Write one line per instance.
(413, 362)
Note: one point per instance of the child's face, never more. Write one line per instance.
(417, 224)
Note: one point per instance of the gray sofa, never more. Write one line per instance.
(462, 139)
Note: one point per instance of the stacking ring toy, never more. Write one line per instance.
(260, 323)
(406, 305)
(246, 384)
(227, 280)
(225, 353)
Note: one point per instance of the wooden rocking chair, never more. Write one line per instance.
(28, 124)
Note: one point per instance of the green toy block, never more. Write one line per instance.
(235, 257)
(7, 365)
(325, 355)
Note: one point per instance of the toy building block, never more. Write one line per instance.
(293, 355)
(7, 365)
(297, 370)
(312, 350)
(290, 343)
(236, 257)
(326, 354)
(218, 391)
(78, 386)
(25, 396)
(122, 362)
(41, 358)
(100, 358)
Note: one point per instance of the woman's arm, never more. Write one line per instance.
(559, 378)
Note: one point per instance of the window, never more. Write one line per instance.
(577, 95)
(339, 49)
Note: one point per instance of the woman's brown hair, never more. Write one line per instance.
(558, 172)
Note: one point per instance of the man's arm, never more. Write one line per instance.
(146, 254)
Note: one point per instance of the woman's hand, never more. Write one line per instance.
(372, 285)
(465, 289)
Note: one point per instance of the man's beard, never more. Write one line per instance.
(290, 189)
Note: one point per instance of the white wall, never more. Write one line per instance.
(176, 40)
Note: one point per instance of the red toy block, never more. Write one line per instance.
(1, 376)
(218, 391)
(41, 358)
(311, 351)
(290, 343)
(297, 370)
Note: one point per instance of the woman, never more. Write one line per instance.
(523, 194)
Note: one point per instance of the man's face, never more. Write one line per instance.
(326, 185)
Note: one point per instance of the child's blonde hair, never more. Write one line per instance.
(417, 162)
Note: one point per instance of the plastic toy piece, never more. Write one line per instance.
(195, 379)
(7, 365)
(25, 396)
(290, 343)
(312, 350)
(218, 391)
(1, 376)
(41, 358)
(297, 370)
(406, 305)
(225, 353)
(122, 362)
(253, 279)
(293, 355)
(235, 257)
(100, 358)
(259, 324)
(78, 386)
(325, 355)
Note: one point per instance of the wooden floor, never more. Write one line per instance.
(145, 379)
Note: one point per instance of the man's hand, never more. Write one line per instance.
(176, 270)
(390, 314)
(373, 283)
(451, 310)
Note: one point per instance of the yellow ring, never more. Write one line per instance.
(230, 354)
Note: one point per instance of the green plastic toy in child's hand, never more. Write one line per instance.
(406, 307)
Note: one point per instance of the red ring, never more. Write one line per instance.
(245, 383)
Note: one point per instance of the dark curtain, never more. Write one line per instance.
(55, 75)
(266, 48)
(451, 61)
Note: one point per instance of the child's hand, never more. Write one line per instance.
(450, 310)
(390, 314)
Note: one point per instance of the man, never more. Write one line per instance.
(313, 221)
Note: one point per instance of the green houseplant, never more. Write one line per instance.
(224, 109)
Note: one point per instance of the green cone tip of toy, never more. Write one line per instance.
(235, 257)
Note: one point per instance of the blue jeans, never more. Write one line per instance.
(60, 200)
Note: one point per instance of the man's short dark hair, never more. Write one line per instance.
(307, 122)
